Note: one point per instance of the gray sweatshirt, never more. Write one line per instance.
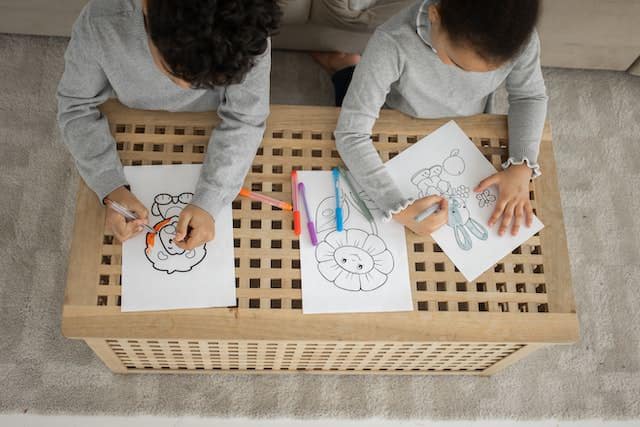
(109, 56)
(399, 68)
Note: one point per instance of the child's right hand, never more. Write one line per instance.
(115, 222)
(428, 225)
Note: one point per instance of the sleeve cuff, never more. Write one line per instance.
(108, 182)
(535, 167)
(210, 201)
(398, 207)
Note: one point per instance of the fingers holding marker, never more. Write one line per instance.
(433, 221)
(118, 226)
(122, 229)
(441, 216)
(182, 229)
(196, 238)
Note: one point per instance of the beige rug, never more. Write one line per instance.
(596, 122)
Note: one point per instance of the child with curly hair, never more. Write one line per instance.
(189, 55)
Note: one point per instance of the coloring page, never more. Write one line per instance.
(446, 163)
(156, 273)
(363, 268)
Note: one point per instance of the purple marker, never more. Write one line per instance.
(310, 226)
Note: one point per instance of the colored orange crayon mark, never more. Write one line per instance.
(151, 238)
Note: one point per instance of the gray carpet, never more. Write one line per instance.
(596, 120)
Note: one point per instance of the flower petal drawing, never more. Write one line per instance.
(354, 260)
(383, 262)
(329, 270)
(374, 245)
(324, 251)
(347, 281)
(356, 237)
(336, 239)
(373, 280)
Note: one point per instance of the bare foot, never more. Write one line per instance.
(335, 61)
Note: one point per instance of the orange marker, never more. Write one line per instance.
(294, 198)
(265, 199)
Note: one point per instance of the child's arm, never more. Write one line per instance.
(527, 107)
(84, 129)
(378, 69)
(232, 147)
(233, 144)
(527, 112)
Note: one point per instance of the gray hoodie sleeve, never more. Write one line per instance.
(84, 129)
(379, 68)
(527, 107)
(243, 110)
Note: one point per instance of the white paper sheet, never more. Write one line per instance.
(157, 275)
(448, 164)
(361, 269)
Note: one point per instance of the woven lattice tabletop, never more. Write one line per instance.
(523, 302)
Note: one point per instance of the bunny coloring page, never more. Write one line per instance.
(447, 163)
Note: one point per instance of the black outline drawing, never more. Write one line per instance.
(325, 219)
(168, 208)
(430, 181)
(357, 255)
(486, 198)
(345, 260)
(164, 204)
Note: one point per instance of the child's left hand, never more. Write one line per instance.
(513, 197)
(195, 227)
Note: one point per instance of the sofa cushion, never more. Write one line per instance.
(361, 4)
(295, 11)
(355, 15)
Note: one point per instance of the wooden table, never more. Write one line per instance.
(523, 303)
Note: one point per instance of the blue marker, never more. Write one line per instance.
(336, 184)
(427, 213)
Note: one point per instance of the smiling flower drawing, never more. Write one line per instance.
(354, 260)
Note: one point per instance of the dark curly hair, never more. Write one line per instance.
(495, 29)
(211, 43)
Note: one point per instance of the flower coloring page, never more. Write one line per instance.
(363, 268)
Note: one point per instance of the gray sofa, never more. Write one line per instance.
(575, 33)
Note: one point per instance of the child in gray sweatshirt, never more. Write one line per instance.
(191, 55)
(441, 59)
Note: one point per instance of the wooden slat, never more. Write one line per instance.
(554, 240)
(84, 256)
(106, 354)
(222, 323)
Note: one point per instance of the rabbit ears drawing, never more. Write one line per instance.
(463, 225)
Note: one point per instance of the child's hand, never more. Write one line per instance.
(513, 197)
(118, 225)
(195, 227)
(428, 225)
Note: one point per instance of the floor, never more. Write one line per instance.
(144, 421)
(596, 122)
